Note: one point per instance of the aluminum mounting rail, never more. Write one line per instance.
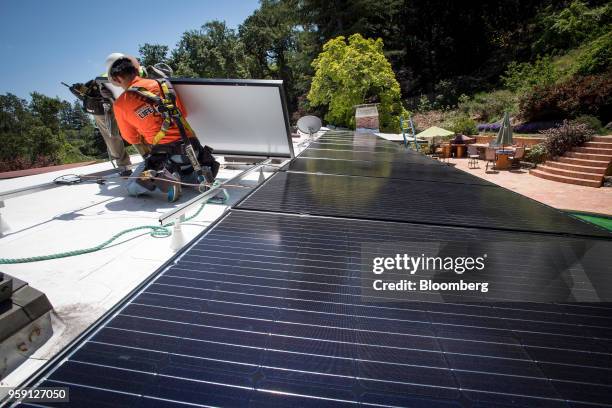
(183, 209)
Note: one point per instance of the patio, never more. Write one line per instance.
(558, 195)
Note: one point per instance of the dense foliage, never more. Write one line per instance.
(348, 74)
(570, 26)
(537, 154)
(562, 138)
(44, 131)
(464, 125)
(449, 62)
(489, 106)
(522, 77)
(589, 95)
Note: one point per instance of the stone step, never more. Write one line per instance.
(605, 139)
(584, 162)
(604, 145)
(570, 173)
(593, 150)
(563, 179)
(576, 167)
(589, 156)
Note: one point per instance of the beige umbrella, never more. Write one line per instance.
(430, 134)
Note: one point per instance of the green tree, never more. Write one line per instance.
(597, 57)
(15, 119)
(214, 51)
(151, 54)
(571, 26)
(348, 74)
(278, 47)
(522, 77)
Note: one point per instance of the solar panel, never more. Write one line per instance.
(266, 309)
(411, 201)
(399, 156)
(410, 169)
(357, 147)
(214, 104)
(271, 307)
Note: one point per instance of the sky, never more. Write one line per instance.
(45, 42)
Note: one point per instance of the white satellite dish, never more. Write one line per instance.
(309, 124)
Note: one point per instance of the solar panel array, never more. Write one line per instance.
(266, 308)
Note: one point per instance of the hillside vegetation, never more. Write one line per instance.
(455, 64)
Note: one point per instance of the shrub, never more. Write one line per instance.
(424, 104)
(464, 125)
(524, 76)
(488, 127)
(348, 74)
(562, 138)
(537, 154)
(591, 121)
(597, 57)
(529, 127)
(489, 106)
(589, 95)
(536, 127)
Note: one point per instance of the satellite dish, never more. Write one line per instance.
(309, 124)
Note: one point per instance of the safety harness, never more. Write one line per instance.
(165, 106)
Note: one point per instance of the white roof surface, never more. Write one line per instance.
(58, 219)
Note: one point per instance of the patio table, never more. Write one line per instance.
(460, 149)
(503, 161)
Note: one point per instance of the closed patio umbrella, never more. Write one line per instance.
(504, 136)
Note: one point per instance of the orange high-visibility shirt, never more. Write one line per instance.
(136, 117)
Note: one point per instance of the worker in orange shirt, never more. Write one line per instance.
(138, 111)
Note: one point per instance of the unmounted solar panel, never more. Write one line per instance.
(269, 307)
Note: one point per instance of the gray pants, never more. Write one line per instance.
(113, 139)
(135, 189)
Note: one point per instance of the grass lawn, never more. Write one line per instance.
(603, 221)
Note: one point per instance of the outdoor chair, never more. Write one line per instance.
(490, 157)
(445, 153)
(436, 151)
(519, 154)
(473, 156)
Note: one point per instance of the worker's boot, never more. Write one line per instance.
(175, 190)
(124, 171)
(174, 193)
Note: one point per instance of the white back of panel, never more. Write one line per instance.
(239, 117)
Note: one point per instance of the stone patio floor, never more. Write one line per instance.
(558, 195)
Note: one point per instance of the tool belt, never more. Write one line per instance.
(186, 156)
(172, 156)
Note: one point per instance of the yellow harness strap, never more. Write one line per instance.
(164, 105)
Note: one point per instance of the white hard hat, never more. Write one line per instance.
(110, 60)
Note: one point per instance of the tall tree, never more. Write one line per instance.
(279, 46)
(214, 51)
(348, 74)
(151, 54)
